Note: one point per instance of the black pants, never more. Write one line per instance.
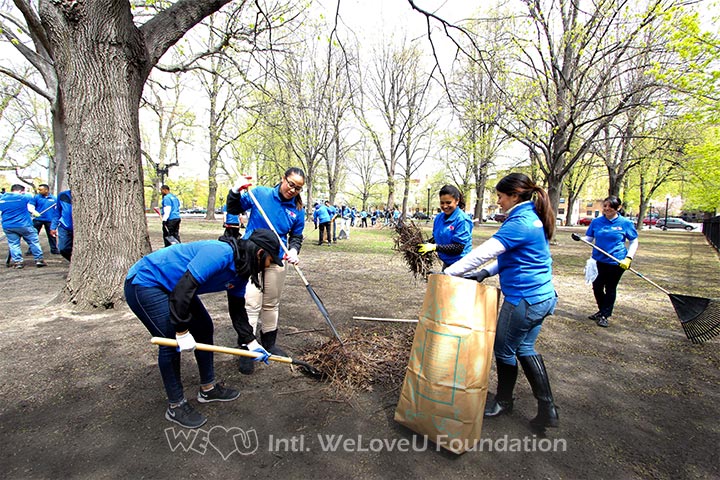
(605, 287)
(52, 241)
(325, 226)
(232, 230)
(171, 228)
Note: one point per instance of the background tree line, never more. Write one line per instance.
(109, 97)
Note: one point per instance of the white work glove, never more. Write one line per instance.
(186, 342)
(254, 346)
(242, 183)
(292, 256)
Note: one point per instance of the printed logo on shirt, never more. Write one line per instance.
(229, 286)
(290, 213)
(451, 227)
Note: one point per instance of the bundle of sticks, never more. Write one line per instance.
(368, 359)
(407, 238)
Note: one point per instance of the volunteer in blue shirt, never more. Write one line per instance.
(62, 224)
(610, 231)
(283, 206)
(16, 212)
(44, 204)
(170, 217)
(162, 289)
(522, 249)
(322, 217)
(452, 232)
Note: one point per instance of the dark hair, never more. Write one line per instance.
(44, 185)
(17, 188)
(247, 263)
(296, 171)
(164, 187)
(614, 202)
(454, 192)
(521, 185)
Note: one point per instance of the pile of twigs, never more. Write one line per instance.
(368, 359)
(407, 238)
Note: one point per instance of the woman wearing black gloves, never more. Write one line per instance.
(162, 289)
(522, 249)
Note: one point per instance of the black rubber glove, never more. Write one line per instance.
(479, 276)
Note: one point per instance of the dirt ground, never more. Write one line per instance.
(81, 396)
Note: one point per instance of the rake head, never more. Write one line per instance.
(700, 317)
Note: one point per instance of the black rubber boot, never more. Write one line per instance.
(534, 369)
(246, 365)
(503, 401)
(268, 342)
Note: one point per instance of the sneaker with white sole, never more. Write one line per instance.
(218, 394)
(185, 415)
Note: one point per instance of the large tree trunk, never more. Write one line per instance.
(103, 142)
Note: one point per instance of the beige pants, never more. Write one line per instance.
(265, 306)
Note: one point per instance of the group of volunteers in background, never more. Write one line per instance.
(24, 216)
(519, 252)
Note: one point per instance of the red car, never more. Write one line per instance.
(585, 221)
(649, 221)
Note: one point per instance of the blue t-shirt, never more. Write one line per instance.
(172, 201)
(44, 205)
(525, 268)
(14, 208)
(321, 214)
(211, 262)
(455, 228)
(285, 216)
(63, 212)
(610, 235)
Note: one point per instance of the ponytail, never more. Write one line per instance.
(521, 185)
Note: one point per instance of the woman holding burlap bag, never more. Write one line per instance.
(522, 249)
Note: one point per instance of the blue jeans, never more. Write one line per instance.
(30, 235)
(518, 328)
(151, 306)
(65, 242)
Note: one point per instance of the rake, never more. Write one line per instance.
(699, 317)
(306, 367)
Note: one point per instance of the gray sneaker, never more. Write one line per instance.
(185, 415)
(218, 394)
(40, 263)
(602, 322)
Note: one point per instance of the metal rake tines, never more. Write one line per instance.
(700, 317)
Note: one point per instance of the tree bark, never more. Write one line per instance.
(102, 61)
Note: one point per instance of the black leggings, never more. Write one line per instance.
(605, 287)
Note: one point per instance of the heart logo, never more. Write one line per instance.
(223, 440)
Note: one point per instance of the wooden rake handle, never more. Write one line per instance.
(168, 342)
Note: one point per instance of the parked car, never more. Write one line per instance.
(500, 217)
(585, 221)
(650, 221)
(674, 222)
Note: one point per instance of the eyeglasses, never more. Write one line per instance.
(292, 186)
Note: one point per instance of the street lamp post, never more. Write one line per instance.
(667, 206)
(428, 202)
